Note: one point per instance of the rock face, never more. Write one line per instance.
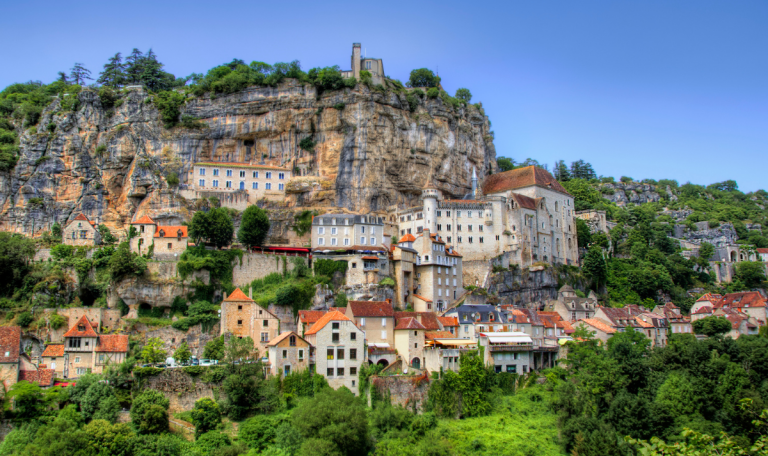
(524, 287)
(112, 164)
(723, 235)
(622, 193)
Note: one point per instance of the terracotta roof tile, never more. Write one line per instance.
(43, 377)
(524, 201)
(112, 343)
(310, 316)
(368, 257)
(709, 297)
(762, 250)
(431, 335)
(282, 337)
(87, 330)
(422, 298)
(427, 319)
(448, 322)
(240, 165)
(82, 218)
(597, 323)
(170, 231)
(371, 309)
(745, 299)
(327, 318)
(704, 310)
(238, 296)
(144, 221)
(54, 350)
(409, 323)
(407, 238)
(520, 178)
(10, 344)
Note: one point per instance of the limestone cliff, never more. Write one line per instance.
(111, 164)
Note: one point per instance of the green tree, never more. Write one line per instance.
(582, 170)
(16, 251)
(583, 233)
(751, 273)
(712, 326)
(214, 227)
(214, 349)
(182, 354)
(595, 266)
(107, 438)
(134, 67)
(27, 400)
(124, 262)
(113, 73)
(153, 352)
(464, 95)
(79, 74)
(706, 251)
(100, 403)
(254, 226)
(149, 412)
(332, 422)
(505, 164)
(584, 195)
(561, 171)
(423, 77)
(258, 432)
(206, 416)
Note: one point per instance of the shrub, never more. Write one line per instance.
(57, 321)
(339, 106)
(35, 201)
(307, 144)
(51, 127)
(188, 121)
(328, 268)
(168, 103)
(101, 149)
(62, 251)
(433, 93)
(464, 95)
(172, 179)
(387, 281)
(423, 77)
(366, 77)
(24, 319)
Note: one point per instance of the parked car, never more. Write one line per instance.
(195, 362)
(206, 362)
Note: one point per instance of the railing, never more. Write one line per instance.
(507, 348)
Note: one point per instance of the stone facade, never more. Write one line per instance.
(360, 63)
(195, 337)
(181, 389)
(523, 211)
(409, 343)
(258, 265)
(340, 348)
(288, 353)
(165, 240)
(80, 232)
(242, 317)
(439, 276)
(238, 182)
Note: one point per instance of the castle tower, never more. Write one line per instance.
(474, 183)
(429, 196)
(356, 60)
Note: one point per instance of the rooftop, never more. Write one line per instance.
(521, 178)
(327, 318)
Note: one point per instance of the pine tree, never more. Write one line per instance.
(79, 74)
(134, 67)
(152, 73)
(63, 77)
(113, 74)
(561, 171)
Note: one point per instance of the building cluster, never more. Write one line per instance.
(746, 311)
(84, 350)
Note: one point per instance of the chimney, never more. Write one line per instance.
(225, 296)
(250, 292)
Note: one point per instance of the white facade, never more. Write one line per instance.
(255, 181)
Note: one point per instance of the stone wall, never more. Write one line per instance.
(196, 338)
(258, 265)
(181, 389)
(407, 390)
(105, 318)
(476, 272)
(523, 286)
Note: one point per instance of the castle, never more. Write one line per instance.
(371, 65)
(524, 214)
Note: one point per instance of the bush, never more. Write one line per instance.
(24, 319)
(423, 77)
(168, 103)
(191, 122)
(339, 106)
(464, 95)
(206, 416)
(328, 268)
(57, 321)
(149, 412)
(307, 144)
(62, 251)
(101, 149)
(172, 179)
(433, 93)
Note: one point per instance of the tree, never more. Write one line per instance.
(582, 170)
(79, 74)
(106, 236)
(595, 266)
(214, 227)
(134, 67)
(464, 95)
(258, 432)
(182, 354)
(113, 74)
(584, 195)
(337, 419)
(152, 74)
(254, 226)
(27, 400)
(100, 402)
(583, 233)
(561, 172)
(423, 77)
(149, 412)
(712, 326)
(751, 273)
(505, 164)
(206, 416)
(107, 438)
(214, 349)
(15, 253)
(153, 351)
(124, 262)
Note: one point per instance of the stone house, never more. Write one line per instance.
(439, 274)
(762, 254)
(356, 239)
(751, 303)
(602, 328)
(288, 353)
(10, 349)
(706, 300)
(340, 348)
(238, 185)
(570, 307)
(376, 318)
(242, 317)
(677, 322)
(306, 319)
(409, 341)
(165, 239)
(402, 260)
(476, 318)
(509, 351)
(361, 63)
(450, 324)
(655, 328)
(524, 212)
(80, 232)
(85, 351)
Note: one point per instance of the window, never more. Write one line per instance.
(321, 230)
(255, 174)
(255, 185)
(335, 338)
(335, 325)
(77, 359)
(449, 239)
(321, 241)
(330, 353)
(202, 171)
(362, 240)
(383, 322)
(340, 372)
(74, 342)
(362, 322)
(81, 371)
(216, 172)
(340, 353)
(170, 246)
(330, 372)
(281, 186)
(240, 307)
(458, 227)
(470, 239)
(265, 323)
(265, 337)
(384, 334)
(285, 354)
(202, 182)
(469, 214)
(268, 186)
(346, 241)
(229, 184)
(481, 239)
(242, 174)
(292, 341)
(480, 228)
(469, 228)
(281, 176)
(333, 241)
(353, 371)
(439, 214)
(439, 227)
(459, 239)
(229, 173)
(353, 353)
(268, 175)
(353, 336)
(215, 183)
(458, 213)
(301, 355)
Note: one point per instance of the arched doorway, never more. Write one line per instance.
(383, 362)
(733, 256)
(416, 363)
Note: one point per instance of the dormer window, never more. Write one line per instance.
(179, 233)
(162, 233)
(81, 328)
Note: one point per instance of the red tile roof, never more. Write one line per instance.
(745, 299)
(431, 335)
(762, 250)
(171, 231)
(704, 310)
(599, 324)
(81, 217)
(310, 316)
(368, 257)
(427, 319)
(524, 201)
(520, 178)
(448, 322)
(371, 309)
(144, 221)
(54, 350)
(113, 343)
(238, 296)
(407, 238)
(87, 330)
(10, 343)
(43, 377)
(422, 298)
(409, 323)
(327, 318)
(709, 297)
(282, 337)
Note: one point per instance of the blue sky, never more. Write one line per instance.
(652, 89)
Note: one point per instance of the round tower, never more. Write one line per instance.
(429, 196)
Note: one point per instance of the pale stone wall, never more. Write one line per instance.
(258, 265)
(105, 318)
(248, 319)
(281, 355)
(476, 272)
(83, 360)
(140, 243)
(324, 341)
(42, 255)
(79, 233)
(409, 344)
(377, 329)
(9, 374)
(258, 181)
(195, 337)
(404, 390)
(181, 389)
(170, 246)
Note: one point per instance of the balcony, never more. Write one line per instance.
(510, 348)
